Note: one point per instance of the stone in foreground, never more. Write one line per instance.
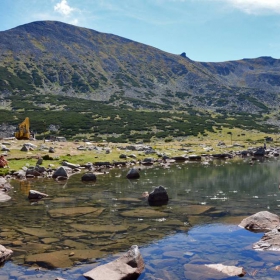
(5, 254)
(261, 222)
(129, 267)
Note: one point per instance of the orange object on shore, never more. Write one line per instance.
(3, 161)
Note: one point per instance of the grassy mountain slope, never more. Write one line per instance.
(55, 58)
(87, 82)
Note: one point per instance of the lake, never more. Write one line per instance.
(82, 225)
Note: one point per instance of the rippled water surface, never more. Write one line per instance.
(89, 223)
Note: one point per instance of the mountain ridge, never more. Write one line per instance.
(50, 57)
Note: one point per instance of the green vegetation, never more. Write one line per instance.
(78, 118)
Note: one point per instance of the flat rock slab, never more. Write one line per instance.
(34, 247)
(49, 240)
(64, 200)
(62, 259)
(74, 244)
(261, 222)
(59, 259)
(193, 209)
(100, 228)
(71, 211)
(144, 213)
(39, 232)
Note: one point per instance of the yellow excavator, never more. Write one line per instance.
(23, 131)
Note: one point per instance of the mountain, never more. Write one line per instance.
(54, 58)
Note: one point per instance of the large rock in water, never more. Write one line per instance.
(89, 177)
(261, 222)
(133, 174)
(36, 195)
(158, 197)
(269, 242)
(5, 254)
(62, 171)
(128, 267)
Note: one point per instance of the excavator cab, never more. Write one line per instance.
(23, 131)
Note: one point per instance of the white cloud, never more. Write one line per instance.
(247, 6)
(63, 8)
(255, 6)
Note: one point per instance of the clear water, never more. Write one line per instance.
(198, 226)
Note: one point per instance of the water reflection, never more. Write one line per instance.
(111, 215)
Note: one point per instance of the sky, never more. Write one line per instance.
(206, 30)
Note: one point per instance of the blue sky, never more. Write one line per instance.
(206, 30)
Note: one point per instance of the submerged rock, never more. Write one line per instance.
(158, 197)
(5, 254)
(129, 267)
(261, 222)
(62, 259)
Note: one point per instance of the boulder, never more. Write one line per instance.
(129, 267)
(36, 195)
(269, 242)
(62, 171)
(51, 150)
(261, 222)
(133, 174)
(158, 197)
(103, 163)
(179, 158)
(89, 177)
(30, 145)
(33, 171)
(5, 254)
(39, 161)
(259, 152)
(123, 156)
(24, 149)
(194, 157)
(20, 174)
(148, 161)
(5, 149)
(41, 169)
(222, 156)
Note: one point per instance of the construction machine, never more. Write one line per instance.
(23, 131)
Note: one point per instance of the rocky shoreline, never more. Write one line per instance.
(90, 170)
